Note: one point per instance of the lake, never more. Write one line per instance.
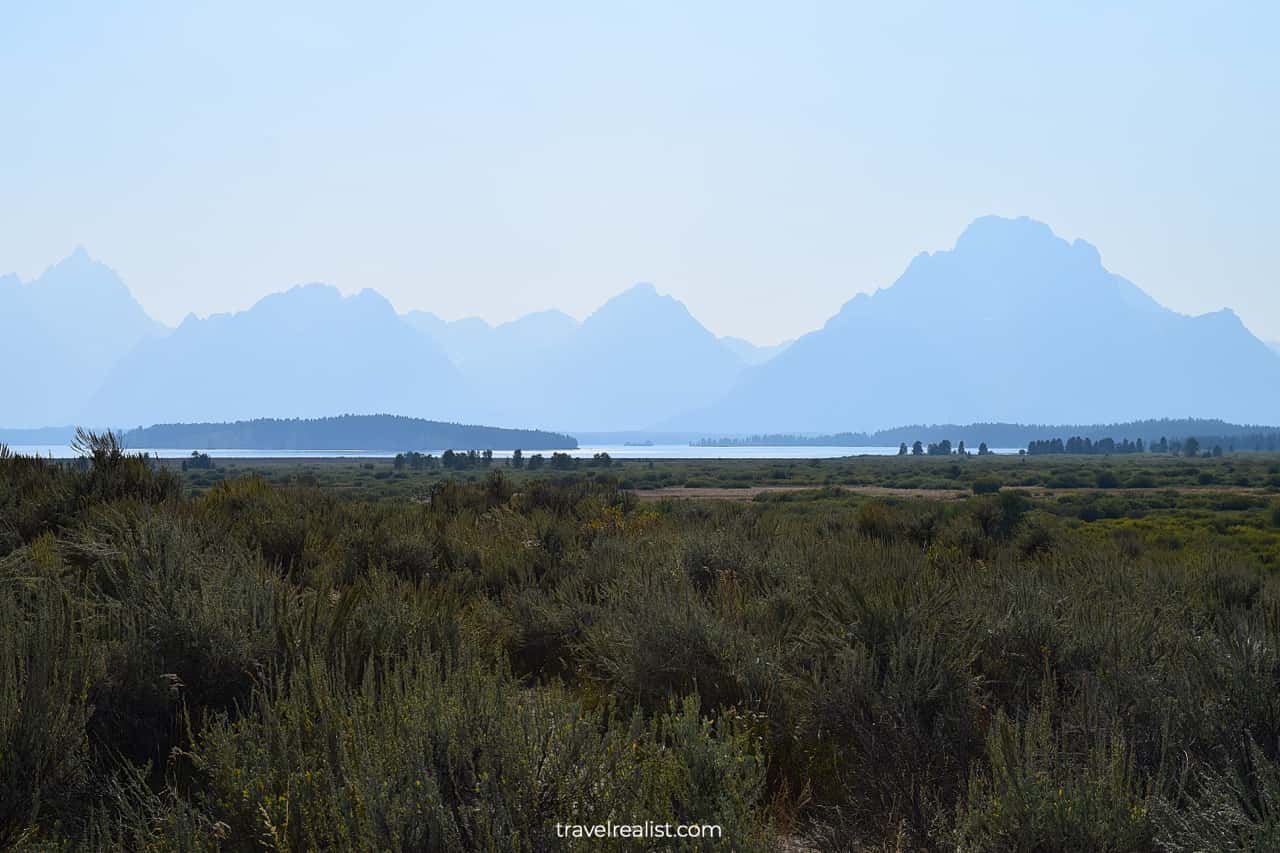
(617, 451)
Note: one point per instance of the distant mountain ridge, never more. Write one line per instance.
(639, 354)
(474, 345)
(300, 353)
(1012, 324)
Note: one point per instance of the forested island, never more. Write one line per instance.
(345, 432)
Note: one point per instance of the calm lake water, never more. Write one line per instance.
(617, 451)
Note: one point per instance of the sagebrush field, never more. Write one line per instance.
(1050, 653)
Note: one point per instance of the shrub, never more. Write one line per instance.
(905, 704)
(662, 640)
(1066, 480)
(986, 486)
(1232, 808)
(114, 475)
(874, 521)
(448, 757)
(47, 663)
(1036, 536)
(1035, 796)
(1108, 480)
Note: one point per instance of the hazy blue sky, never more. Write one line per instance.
(761, 162)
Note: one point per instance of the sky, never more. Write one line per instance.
(763, 163)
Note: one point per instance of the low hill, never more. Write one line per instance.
(1206, 431)
(346, 432)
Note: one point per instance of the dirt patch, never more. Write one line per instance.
(749, 493)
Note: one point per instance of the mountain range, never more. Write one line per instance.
(1011, 324)
(61, 334)
(299, 353)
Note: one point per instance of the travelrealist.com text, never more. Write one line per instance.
(647, 829)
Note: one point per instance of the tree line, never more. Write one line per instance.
(941, 448)
(1190, 446)
(464, 460)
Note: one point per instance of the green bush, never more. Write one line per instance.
(986, 486)
(280, 661)
(47, 663)
(1108, 480)
(1036, 795)
(449, 757)
(1223, 808)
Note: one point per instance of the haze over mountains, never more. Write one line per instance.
(298, 354)
(1012, 324)
(60, 336)
(639, 353)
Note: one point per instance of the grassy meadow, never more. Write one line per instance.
(1045, 653)
(379, 478)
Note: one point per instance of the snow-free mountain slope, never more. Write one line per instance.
(1012, 324)
(60, 336)
(306, 352)
(639, 358)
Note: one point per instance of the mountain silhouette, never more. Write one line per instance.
(1012, 324)
(306, 352)
(60, 335)
(638, 356)
(483, 351)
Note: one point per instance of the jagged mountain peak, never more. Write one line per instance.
(993, 230)
(640, 304)
(79, 255)
(300, 352)
(1012, 323)
(316, 299)
(999, 264)
(62, 332)
(312, 291)
(641, 288)
(79, 274)
(1001, 245)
